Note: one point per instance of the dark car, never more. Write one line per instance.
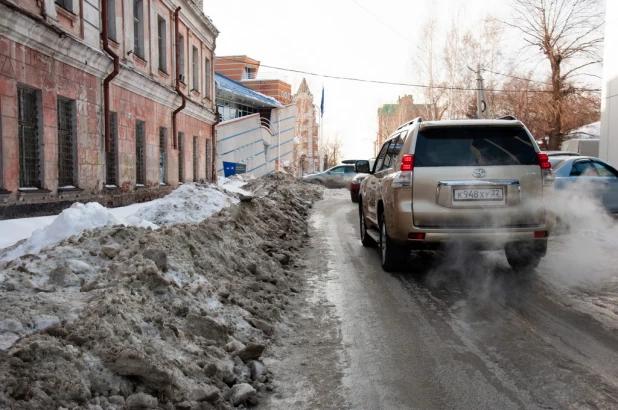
(335, 177)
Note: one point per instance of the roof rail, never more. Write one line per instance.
(419, 119)
(507, 117)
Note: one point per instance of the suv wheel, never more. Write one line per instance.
(366, 240)
(520, 258)
(392, 256)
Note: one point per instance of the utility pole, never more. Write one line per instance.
(482, 106)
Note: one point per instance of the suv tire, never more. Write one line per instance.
(392, 256)
(366, 240)
(520, 258)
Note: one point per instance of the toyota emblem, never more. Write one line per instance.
(479, 173)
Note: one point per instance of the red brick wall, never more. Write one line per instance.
(21, 65)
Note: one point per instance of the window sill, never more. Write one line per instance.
(70, 190)
(163, 74)
(4, 194)
(140, 61)
(112, 188)
(140, 187)
(67, 14)
(113, 43)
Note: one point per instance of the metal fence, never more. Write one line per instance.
(110, 157)
(66, 163)
(140, 152)
(28, 121)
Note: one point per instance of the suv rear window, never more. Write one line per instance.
(472, 146)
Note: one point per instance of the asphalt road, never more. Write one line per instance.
(457, 330)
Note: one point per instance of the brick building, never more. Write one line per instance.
(391, 116)
(79, 124)
(247, 71)
(307, 129)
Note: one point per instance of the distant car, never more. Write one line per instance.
(335, 177)
(356, 181)
(561, 154)
(584, 176)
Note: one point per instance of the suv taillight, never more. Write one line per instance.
(546, 171)
(407, 163)
(543, 161)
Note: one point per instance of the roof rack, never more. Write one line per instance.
(419, 119)
(508, 117)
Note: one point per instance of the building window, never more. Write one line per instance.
(65, 4)
(162, 45)
(196, 159)
(140, 152)
(196, 70)
(111, 157)
(162, 154)
(138, 28)
(181, 49)
(66, 144)
(181, 156)
(111, 19)
(207, 156)
(229, 110)
(207, 78)
(28, 134)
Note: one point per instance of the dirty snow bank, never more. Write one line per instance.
(235, 183)
(131, 317)
(190, 203)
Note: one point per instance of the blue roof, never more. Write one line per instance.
(237, 88)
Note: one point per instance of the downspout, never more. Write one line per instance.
(184, 99)
(110, 77)
(213, 133)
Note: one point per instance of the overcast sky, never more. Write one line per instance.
(366, 39)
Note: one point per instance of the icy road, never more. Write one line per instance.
(458, 331)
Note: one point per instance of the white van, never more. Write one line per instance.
(588, 147)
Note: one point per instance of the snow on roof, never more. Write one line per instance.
(237, 88)
(592, 130)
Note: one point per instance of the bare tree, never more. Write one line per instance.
(332, 150)
(568, 34)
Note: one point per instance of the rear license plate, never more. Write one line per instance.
(478, 194)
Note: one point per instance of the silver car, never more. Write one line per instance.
(587, 176)
(335, 177)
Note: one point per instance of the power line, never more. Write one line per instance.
(383, 22)
(436, 87)
(518, 78)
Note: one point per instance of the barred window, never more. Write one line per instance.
(162, 154)
(181, 157)
(208, 164)
(111, 157)
(196, 70)
(195, 159)
(66, 144)
(28, 134)
(140, 152)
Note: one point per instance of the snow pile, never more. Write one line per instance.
(71, 221)
(190, 203)
(173, 318)
(235, 183)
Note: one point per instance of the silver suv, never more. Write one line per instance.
(480, 182)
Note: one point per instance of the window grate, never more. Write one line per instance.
(208, 164)
(140, 136)
(162, 152)
(181, 157)
(110, 157)
(66, 163)
(28, 123)
(195, 159)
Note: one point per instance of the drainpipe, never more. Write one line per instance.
(184, 99)
(213, 136)
(110, 77)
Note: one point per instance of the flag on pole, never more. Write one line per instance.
(322, 104)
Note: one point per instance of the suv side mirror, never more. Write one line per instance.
(362, 166)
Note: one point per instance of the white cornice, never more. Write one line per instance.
(192, 17)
